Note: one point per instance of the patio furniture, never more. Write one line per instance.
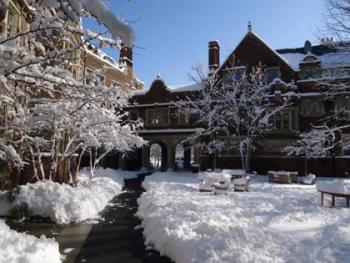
(335, 189)
(205, 186)
(241, 184)
(334, 195)
(207, 180)
(309, 180)
(222, 185)
(282, 177)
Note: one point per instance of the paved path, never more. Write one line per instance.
(115, 239)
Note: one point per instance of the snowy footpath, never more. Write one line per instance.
(61, 203)
(271, 223)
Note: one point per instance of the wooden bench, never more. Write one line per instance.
(334, 195)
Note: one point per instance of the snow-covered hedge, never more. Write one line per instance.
(19, 247)
(65, 204)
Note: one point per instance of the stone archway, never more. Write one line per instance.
(157, 156)
(184, 156)
(179, 157)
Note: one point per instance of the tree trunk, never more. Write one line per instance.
(306, 168)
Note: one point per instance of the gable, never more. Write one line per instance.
(252, 51)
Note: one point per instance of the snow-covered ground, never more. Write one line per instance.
(271, 223)
(20, 247)
(65, 204)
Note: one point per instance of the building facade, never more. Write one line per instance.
(296, 72)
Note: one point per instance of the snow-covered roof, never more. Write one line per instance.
(99, 54)
(182, 88)
(173, 88)
(329, 59)
(189, 130)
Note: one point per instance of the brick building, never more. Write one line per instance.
(295, 71)
(86, 62)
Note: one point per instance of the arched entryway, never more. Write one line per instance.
(157, 156)
(184, 156)
(179, 157)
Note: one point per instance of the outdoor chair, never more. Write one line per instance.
(205, 186)
(222, 185)
(241, 184)
(207, 181)
(309, 180)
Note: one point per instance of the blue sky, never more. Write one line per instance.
(173, 35)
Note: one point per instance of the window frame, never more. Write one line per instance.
(149, 122)
(272, 68)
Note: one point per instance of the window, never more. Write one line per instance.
(93, 77)
(271, 74)
(286, 120)
(89, 76)
(312, 108)
(183, 119)
(233, 75)
(133, 115)
(157, 117)
(342, 107)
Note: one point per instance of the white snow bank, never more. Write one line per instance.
(20, 247)
(271, 223)
(65, 204)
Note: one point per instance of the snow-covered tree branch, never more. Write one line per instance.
(237, 105)
(49, 108)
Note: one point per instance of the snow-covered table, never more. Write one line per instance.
(334, 195)
(334, 189)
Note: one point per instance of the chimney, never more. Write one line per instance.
(214, 55)
(125, 57)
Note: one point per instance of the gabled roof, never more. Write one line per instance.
(244, 42)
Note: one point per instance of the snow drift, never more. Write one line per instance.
(271, 223)
(19, 247)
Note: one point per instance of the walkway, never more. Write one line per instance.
(113, 240)
(116, 239)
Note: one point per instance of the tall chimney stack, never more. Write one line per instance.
(126, 56)
(214, 55)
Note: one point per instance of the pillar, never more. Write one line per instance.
(145, 158)
(187, 158)
(170, 157)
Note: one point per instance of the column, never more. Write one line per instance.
(145, 158)
(170, 157)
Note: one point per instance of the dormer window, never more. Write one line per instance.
(310, 58)
(272, 73)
